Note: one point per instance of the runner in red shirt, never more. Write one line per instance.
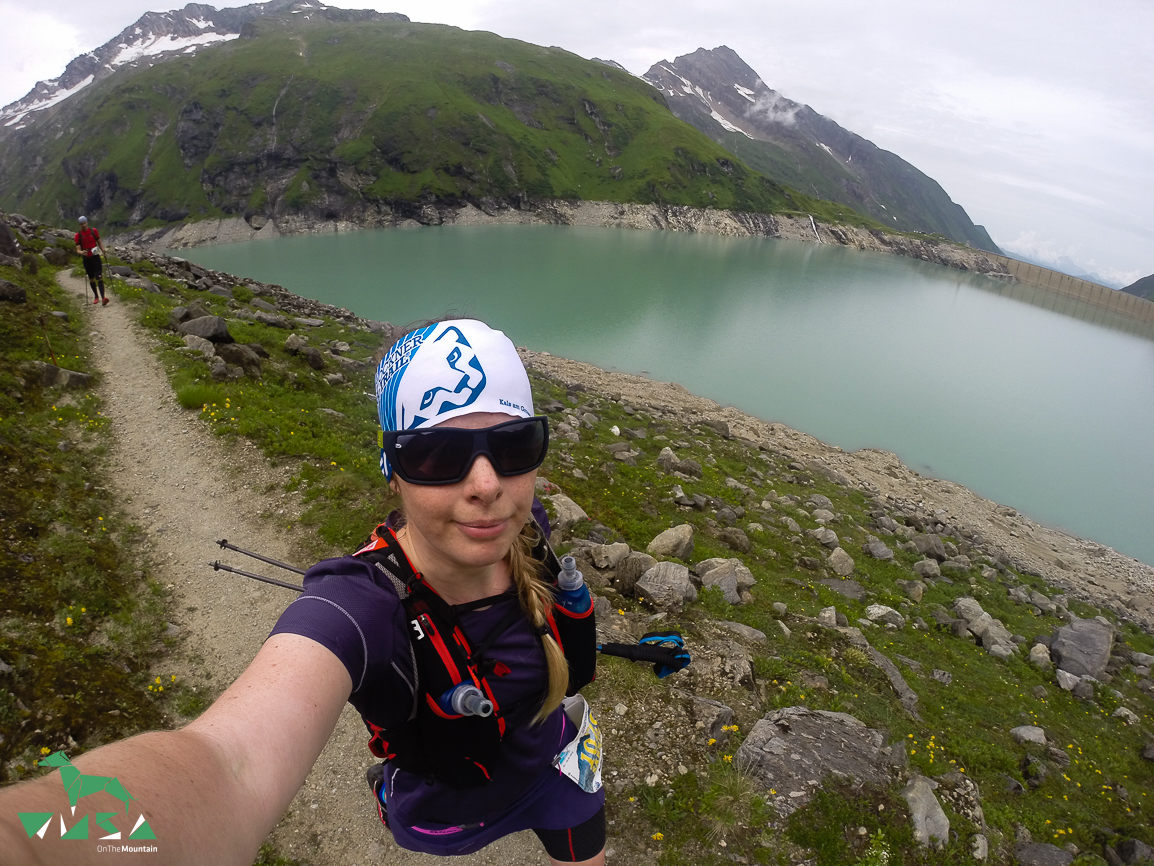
(87, 243)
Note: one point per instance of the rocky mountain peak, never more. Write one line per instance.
(161, 35)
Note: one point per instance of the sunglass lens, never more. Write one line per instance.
(517, 448)
(433, 455)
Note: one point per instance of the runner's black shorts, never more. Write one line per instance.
(582, 842)
(93, 266)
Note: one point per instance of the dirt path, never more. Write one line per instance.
(187, 489)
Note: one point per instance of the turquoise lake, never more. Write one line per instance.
(1047, 412)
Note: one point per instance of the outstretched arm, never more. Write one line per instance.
(213, 790)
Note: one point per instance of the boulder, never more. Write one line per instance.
(927, 568)
(790, 524)
(50, 376)
(667, 586)
(931, 826)
(608, 555)
(1135, 851)
(294, 344)
(313, 357)
(568, 512)
(851, 589)
(1040, 656)
(741, 573)
(841, 562)
(8, 243)
(1082, 647)
(630, 569)
(200, 344)
(878, 550)
(273, 320)
(57, 256)
(734, 538)
(1067, 680)
(212, 328)
(1028, 734)
(914, 589)
(825, 537)
(676, 541)
(930, 545)
(179, 315)
(241, 356)
(263, 305)
(827, 616)
(713, 715)
(792, 750)
(11, 292)
(725, 580)
(882, 613)
(1041, 854)
(746, 631)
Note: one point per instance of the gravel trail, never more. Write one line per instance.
(186, 488)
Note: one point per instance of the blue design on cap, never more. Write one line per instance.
(462, 360)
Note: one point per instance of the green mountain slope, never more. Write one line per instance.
(362, 120)
(1143, 288)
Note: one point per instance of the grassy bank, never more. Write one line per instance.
(80, 622)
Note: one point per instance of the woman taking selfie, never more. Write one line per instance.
(447, 632)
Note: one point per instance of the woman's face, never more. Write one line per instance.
(470, 524)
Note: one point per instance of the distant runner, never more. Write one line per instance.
(87, 242)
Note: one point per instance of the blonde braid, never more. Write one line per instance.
(536, 600)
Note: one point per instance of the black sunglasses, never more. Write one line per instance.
(444, 455)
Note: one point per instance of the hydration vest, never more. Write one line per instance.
(461, 751)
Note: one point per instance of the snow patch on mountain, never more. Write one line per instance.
(161, 44)
(48, 102)
(726, 124)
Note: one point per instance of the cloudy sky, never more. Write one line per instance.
(1037, 116)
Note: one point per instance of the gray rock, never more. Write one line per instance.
(914, 589)
(841, 562)
(851, 589)
(9, 246)
(667, 460)
(1040, 656)
(241, 356)
(1126, 715)
(49, 376)
(294, 344)
(689, 467)
(745, 631)
(785, 632)
(979, 847)
(735, 539)
(12, 293)
(790, 524)
(1083, 647)
(200, 344)
(827, 616)
(667, 586)
(568, 512)
(1141, 659)
(713, 715)
(313, 357)
(1041, 854)
(927, 568)
(630, 569)
(943, 677)
(1135, 851)
(968, 608)
(821, 515)
(793, 749)
(725, 580)
(931, 826)
(878, 550)
(676, 541)
(1000, 651)
(335, 378)
(882, 613)
(263, 305)
(306, 323)
(930, 545)
(816, 500)
(1028, 734)
(721, 427)
(609, 555)
(212, 328)
(1067, 680)
(1084, 690)
(825, 537)
(741, 573)
(221, 292)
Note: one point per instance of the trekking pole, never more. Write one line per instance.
(47, 342)
(220, 566)
(224, 545)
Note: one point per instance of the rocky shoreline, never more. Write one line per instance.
(580, 213)
(1085, 569)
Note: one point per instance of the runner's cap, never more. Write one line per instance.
(83, 219)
